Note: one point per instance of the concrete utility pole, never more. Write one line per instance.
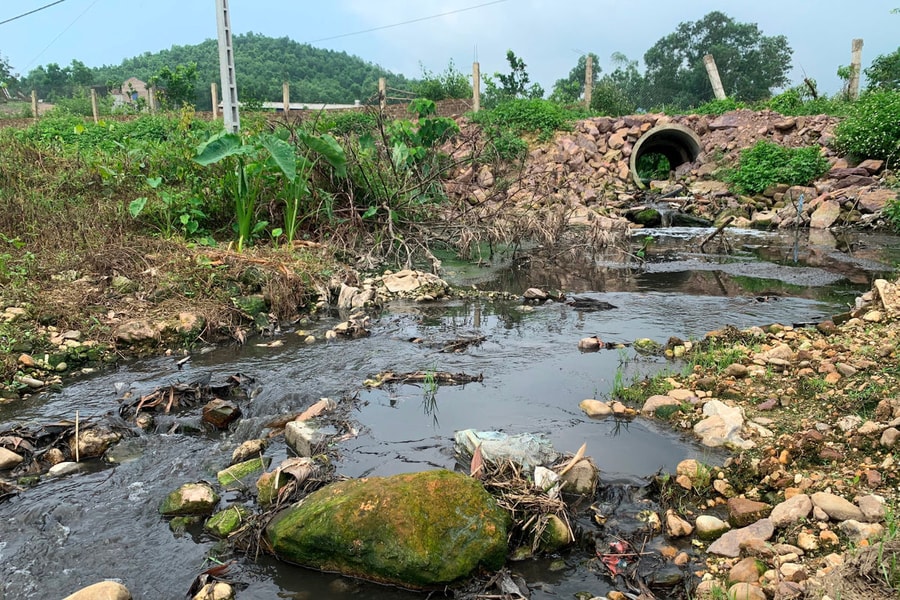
(855, 65)
(214, 92)
(226, 69)
(94, 108)
(286, 97)
(34, 104)
(382, 93)
(713, 73)
(476, 86)
(588, 80)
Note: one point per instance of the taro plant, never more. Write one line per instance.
(256, 159)
(174, 212)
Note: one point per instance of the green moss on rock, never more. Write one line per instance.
(225, 522)
(190, 499)
(419, 530)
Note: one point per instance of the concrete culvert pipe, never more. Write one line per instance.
(676, 142)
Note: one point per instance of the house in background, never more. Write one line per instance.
(133, 92)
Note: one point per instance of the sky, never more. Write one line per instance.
(549, 35)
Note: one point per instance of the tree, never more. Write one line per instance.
(620, 92)
(884, 72)
(512, 85)
(6, 75)
(571, 89)
(449, 84)
(176, 87)
(750, 64)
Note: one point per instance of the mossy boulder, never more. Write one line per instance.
(417, 530)
(225, 522)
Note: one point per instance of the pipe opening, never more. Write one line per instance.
(663, 148)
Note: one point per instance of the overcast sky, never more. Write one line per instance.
(549, 35)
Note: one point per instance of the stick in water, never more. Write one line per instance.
(76, 437)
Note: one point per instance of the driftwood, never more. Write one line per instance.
(718, 231)
(437, 377)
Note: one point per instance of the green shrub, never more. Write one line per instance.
(351, 121)
(767, 163)
(718, 107)
(892, 213)
(873, 128)
(794, 102)
(528, 116)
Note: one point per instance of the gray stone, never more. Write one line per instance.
(858, 532)
(299, 437)
(64, 468)
(710, 527)
(730, 543)
(93, 442)
(837, 508)
(136, 331)
(889, 437)
(535, 294)
(657, 401)
(721, 426)
(190, 499)
(791, 510)
(582, 478)
(872, 507)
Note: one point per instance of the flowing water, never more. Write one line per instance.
(102, 523)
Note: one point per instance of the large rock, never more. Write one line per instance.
(105, 590)
(136, 331)
(190, 499)
(874, 201)
(825, 215)
(742, 511)
(418, 530)
(93, 442)
(722, 425)
(837, 508)
(9, 459)
(791, 510)
(582, 478)
(730, 543)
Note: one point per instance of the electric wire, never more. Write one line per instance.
(443, 14)
(61, 33)
(31, 12)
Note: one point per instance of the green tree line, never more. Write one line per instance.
(752, 67)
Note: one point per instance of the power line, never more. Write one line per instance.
(60, 34)
(31, 12)
(443, 14)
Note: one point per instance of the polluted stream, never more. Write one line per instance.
(103, 522)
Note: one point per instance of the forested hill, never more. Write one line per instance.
(262, 64)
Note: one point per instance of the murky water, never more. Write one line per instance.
(103, 523)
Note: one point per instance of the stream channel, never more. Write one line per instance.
(101, 523)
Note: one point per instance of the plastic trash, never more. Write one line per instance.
(525, 449)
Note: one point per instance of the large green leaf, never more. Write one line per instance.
(282, 155)
(219, 146)
(328, 147)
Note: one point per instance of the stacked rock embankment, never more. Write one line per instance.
(587, 170)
